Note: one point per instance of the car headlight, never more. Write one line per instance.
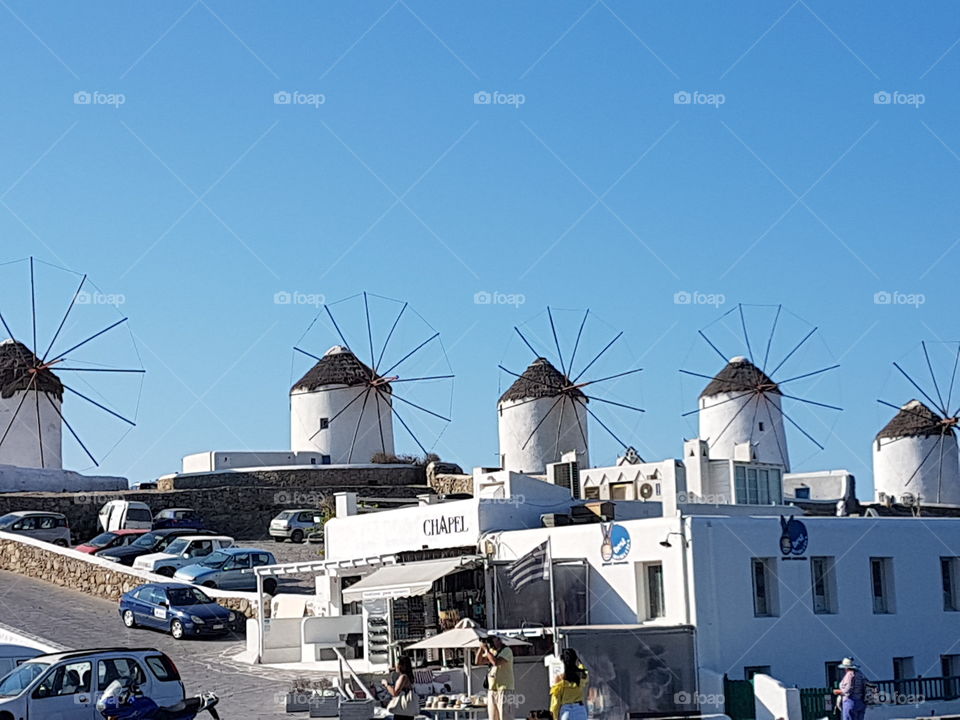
(197, 620)
(232, 616)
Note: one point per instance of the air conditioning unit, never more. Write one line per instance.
(566, 474)
(646, 491)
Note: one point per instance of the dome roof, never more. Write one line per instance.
(914, 420)
(16, 361)
(740, 375)
(338, 366)
(540, 380)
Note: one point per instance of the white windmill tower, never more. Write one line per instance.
(30, 402)
(915, 457)
(741, 408)
(327, 417)
(343, 407)
(544, 413)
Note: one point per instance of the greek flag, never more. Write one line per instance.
(533, 566)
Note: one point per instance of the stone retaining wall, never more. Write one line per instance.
(312, 476)
(90, 575)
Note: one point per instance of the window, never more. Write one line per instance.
(655, 604)
(760, 426)
(881, 580)
(834, 673)
(620, 491)
(823, 584)
(750, 670)
(324, 423)
(757, 486)
(903, 668)
(949, 575)
(324, 459)
(162, 668)
(764, 587)
(118, 669)
(68, 679)
(802, 493)
(950, 668)
(591, 493)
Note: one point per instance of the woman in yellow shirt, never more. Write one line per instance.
(568, 693)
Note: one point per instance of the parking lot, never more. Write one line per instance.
(76, 621)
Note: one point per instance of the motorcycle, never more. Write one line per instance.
(125, 701)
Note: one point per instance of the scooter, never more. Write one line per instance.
(125, 701)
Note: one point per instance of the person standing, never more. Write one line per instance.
(568, 694)
(501, 704)
(404, 704)
(853, 689)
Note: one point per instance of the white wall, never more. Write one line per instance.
(772, 699)
(528, 445)
(307, 408)
(896, 461)
(22, 444)
(724, 428)
(23, 479)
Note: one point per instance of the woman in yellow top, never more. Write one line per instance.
(568, 694)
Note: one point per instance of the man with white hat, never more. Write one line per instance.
(853, 690)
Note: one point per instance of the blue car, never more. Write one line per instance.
(229, 569)
(181, 610)
(178, 518)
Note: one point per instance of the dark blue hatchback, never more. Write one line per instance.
(181, 610)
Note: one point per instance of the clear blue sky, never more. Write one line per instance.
(597, 191)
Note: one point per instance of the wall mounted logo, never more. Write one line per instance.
(793, 536)
(616, 542)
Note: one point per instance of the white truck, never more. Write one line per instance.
(183, 551)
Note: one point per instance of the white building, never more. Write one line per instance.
(334, 410)
(541, 417)
(915, 458)
(30, 402)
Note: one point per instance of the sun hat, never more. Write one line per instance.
(848, 664)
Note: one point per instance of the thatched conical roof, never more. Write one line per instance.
(16, 360)
(540, 380)
(739, 375)
(914, 420)
(338, 366)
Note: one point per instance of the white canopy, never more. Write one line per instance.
(466, 634)
(407, 580)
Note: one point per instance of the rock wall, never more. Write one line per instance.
(243, 512)
(312, 476)
(92, 576)
(451, 484)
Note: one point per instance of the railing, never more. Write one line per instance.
(821, 702)
(816, 703)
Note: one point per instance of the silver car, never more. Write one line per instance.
(296, 524)
(47, 526)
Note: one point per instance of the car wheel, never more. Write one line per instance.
(270, 586)
(128, 619)
(6, 716)
(176, 629)
(61, 542)
(297, 536)
(277, 538)
(166, 571)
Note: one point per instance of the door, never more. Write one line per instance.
(123, 669)
(739, 699)
(47, 528)
(232, 576)
(154, 607)
(27, 526)
(64, 694)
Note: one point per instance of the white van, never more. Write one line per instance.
(125, 515)
(12, 655)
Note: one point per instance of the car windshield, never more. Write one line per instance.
(285, 515)
(215, 560)
(103, 539)
(17, 680)
(148, 540)
(187, 596)
(8, 520)
(177, 546)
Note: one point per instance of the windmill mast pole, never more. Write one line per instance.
(553, 603)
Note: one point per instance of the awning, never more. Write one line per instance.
(407, 580)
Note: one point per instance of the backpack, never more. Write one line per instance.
(871, 693)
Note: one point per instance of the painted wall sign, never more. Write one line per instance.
(793, 537)
(445, 525)
(616, 542)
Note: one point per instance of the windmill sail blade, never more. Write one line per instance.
(776, 435)
(611, 377)
(72, 432)
(63, 320)
(794, 423)
(537, 427)
(953, 376)
(409, 431)
(383, 445)
(746, 335)
(811, 402)
(15, 413)
(421, 379)
(919, 389)
(33, 317)
(389, 335)
(795, 348)
(601, 423)
(311, 355)
(92, 337)
(923, 462)
(556, 342)
(598, 355)
(419, 407)
(60, 368)
(806, 375)
(942, 406)
(696, 374)
(722, 402)
(576, 344)
(102, 407)
(409, 354)
(715, 348)
(715, 440)
(535, 380)
(36, 397)
(773, 329)
(356, 430)
(336, 327)
(563, 406)
(611, 402)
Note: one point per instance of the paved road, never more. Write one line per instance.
(79, 621)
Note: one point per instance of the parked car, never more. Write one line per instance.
(47, 526)
(230, 569)
(183, 551)
(181, 610)
(151, 542)
(67, 685)
(178, 518)
(125, 515)
(12, 655)
(150, 485)
(295, 524)
(107, 540)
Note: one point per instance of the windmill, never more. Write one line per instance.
(915, 454)
(741, 413)
(544, 413)
(75, 363)
(389, 359)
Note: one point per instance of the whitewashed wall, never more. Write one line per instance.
(22, 446)
(307, 408)
(896, 461)
(721, 411)
(520, 420)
